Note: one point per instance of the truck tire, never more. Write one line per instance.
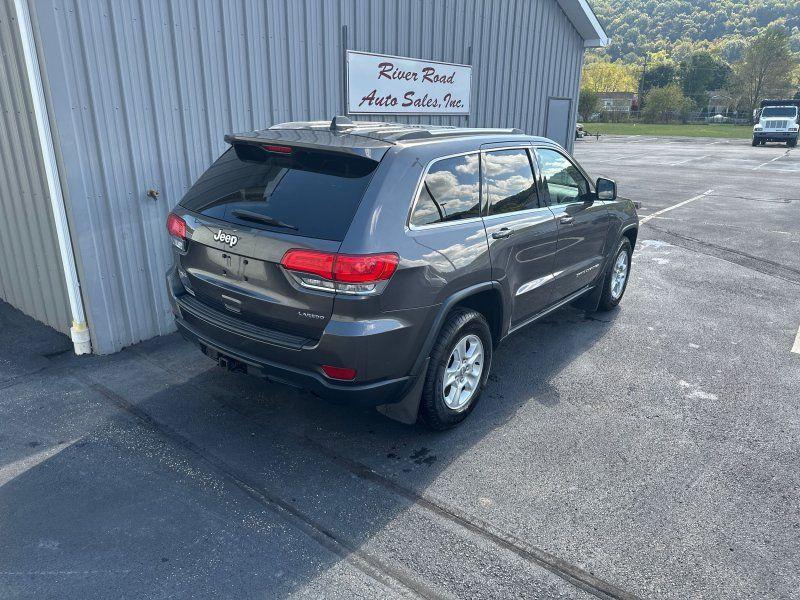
(457, 371)
(755, 142)
(791, 143)
(616, 279)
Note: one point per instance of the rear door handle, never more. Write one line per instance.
(566, 220)
(502, 233)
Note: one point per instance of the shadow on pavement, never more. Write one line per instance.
(154, 473)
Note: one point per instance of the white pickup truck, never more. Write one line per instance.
(777, 122)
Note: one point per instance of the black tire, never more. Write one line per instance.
(432, 409)
(607, 299)
(755, 142)
(791, 143)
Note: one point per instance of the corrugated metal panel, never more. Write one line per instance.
(31, 277)
(144, 90)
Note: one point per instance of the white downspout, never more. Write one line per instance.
(79, 330)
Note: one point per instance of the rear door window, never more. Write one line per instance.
(449, 192)
(509, 182)
(307, 193)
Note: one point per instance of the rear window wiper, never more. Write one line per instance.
(248, 215)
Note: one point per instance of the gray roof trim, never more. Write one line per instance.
(585, 21)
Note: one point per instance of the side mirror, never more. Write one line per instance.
(606, 189)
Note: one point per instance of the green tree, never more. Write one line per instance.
(765, 69)
(678, 28)
(658, 76)
(702, 72)
(604, 76)
(666, 104)
(588, 101)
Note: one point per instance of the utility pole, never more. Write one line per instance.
(641, 81)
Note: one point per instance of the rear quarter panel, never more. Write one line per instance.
(435, 262)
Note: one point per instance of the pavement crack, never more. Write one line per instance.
(737, 257)
(559, 567)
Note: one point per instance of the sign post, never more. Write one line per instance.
(393, 85)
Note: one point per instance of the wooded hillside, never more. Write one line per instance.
(679, 27)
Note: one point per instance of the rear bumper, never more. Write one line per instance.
(382, 351)
(371, 394)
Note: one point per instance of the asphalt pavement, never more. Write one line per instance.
(647, 452)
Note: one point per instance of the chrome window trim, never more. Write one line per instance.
(418, 190)
(519, 146)
(544, 209)
(443, 224)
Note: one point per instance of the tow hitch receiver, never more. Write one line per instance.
(231, 364)
(226, 362)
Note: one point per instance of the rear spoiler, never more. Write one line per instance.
(314, 139)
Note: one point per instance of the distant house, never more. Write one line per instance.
(720, 102)
(618, 102)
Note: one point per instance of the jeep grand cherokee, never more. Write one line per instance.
(381, 264)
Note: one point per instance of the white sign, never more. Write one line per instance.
(382, 84)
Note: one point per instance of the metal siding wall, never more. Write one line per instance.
(31, 277)
(144, 90)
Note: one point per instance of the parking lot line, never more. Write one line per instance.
(796, 347)
(15, 469)
(779, 170)
(674, 206)
(770, 161)
(683, 162)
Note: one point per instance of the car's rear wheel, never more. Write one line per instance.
(616, 280)
(458, 369)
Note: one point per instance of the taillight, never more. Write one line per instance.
(310, 261)
(177, 229)
(345, 273)
(364, 269)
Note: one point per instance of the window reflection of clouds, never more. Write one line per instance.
(450, 191)
(564, 181)
(509, 181)
(504, 161)
(554, 166)
(470, 165)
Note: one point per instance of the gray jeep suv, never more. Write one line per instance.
(380, 264)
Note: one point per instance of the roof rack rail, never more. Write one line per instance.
(387, 131)
(421, 134)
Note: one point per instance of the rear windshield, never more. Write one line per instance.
(779, 111)
(313, 194)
